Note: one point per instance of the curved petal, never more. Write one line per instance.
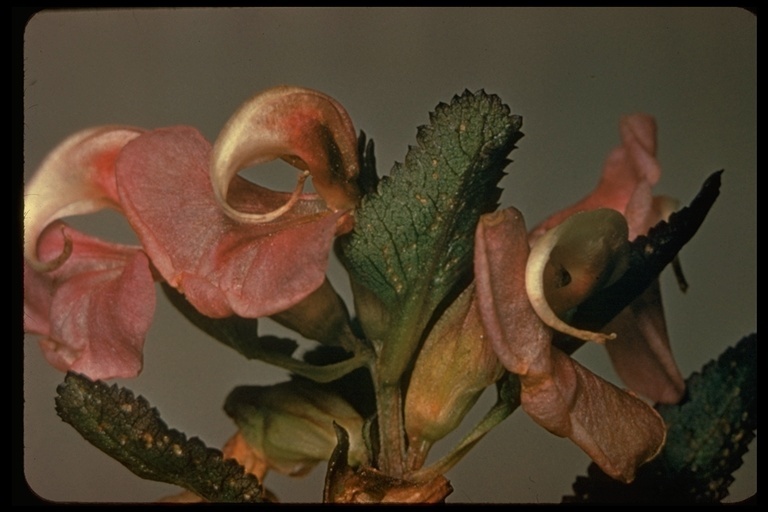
(642, 355)
(76, 178)
(501, 252)
(307, 128)
(629, 174)
(587, 251)
(94, 311)
(617, 430)
(222, 266)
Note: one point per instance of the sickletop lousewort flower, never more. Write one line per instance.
(231, 249)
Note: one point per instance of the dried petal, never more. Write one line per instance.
(501, 253)
(617, 430)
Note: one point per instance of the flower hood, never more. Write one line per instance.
(230, 246)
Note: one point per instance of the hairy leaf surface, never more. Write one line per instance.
(707, 436)
(413, 239)
(129, 430)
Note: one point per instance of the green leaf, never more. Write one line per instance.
(709, 432)
(242, 335)
(413, 239)
(707, 435)
(131, 431)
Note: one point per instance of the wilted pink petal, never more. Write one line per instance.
(617, 430)
(501, 253)
(221, 265)
(309, 129)
(76, 178)
(94, 311)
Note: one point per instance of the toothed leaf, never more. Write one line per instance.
(707, 435)
(413, 238)
(128, 429)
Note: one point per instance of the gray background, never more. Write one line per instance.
(571, 73)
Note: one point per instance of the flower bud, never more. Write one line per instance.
(290, 425)
(453, 368)
(321, 316)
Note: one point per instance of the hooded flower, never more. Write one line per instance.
(528, 282)
(641, 355)
(230, 246)
(616, 429)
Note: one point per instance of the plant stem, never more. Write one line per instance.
(418, 449)
(389, 407)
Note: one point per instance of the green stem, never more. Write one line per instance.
(389, 407)
(418, 449)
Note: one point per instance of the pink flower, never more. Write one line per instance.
(230, 246)
(527, 283)
(641, 355)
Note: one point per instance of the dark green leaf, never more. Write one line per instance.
(649, 255)
(711, 430)
(131, 431)
(413, 239)
(707, 435)
(369, 178)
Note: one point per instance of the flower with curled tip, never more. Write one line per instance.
(528, 284)
(641, 355)
(230, 246)
(618, 430)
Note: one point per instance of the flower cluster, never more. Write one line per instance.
(572, 254)
(234, 248)
(230, 246)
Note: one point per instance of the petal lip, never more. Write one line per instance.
(571, 261)
(222, 266)
(76, 178)
(94, 311)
